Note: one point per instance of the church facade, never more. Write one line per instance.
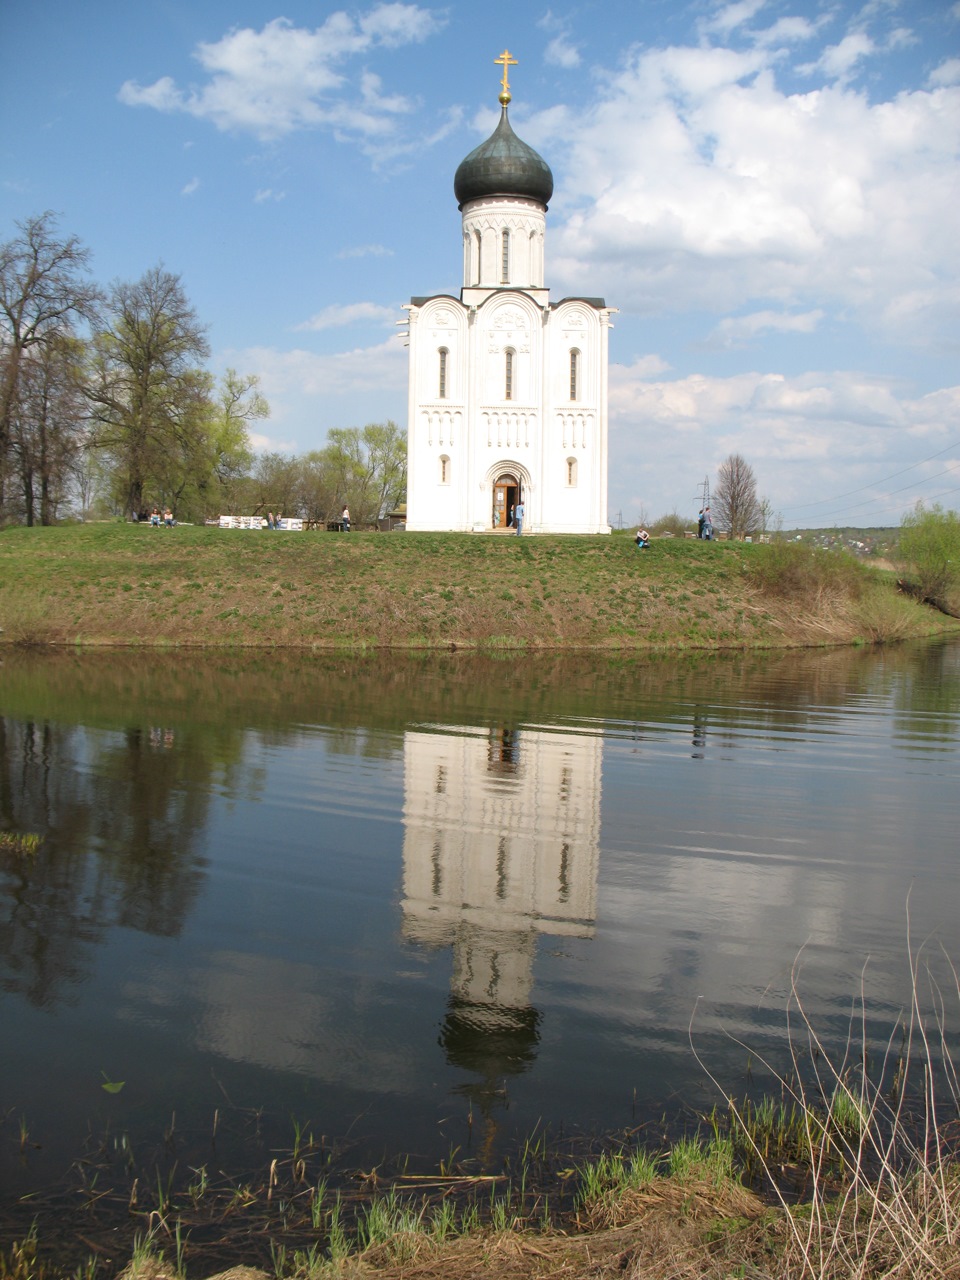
(507, 391)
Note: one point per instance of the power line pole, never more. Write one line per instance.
(704, 493)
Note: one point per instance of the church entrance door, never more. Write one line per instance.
(506, 495)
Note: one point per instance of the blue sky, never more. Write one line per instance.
(768, 192)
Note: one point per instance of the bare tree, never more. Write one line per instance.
(47, 426)
(735, 504)
(43, 292)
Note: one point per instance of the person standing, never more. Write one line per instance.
(701, 521)
(345, 519)
(518, 517)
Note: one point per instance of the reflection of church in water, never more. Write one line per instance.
(501, 845)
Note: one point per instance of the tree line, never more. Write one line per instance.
(107, 409)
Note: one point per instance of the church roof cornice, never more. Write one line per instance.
(422, 300)
(598, 304)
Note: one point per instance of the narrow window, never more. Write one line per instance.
(505, 256)
(508, 376)
(571, 473)
(444, 470)
(443, 373)
(574, 374)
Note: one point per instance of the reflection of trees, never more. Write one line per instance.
(358, 697)
(928, 698)
(119, 814)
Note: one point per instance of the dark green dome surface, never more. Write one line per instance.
(503, 166)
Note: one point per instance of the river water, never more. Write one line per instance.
(430, 905)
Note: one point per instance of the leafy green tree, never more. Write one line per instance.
(317, 495)
(274, 485)
(930, 547)
(368, 468)
(149, 396)
(236, 405)
(44, 291)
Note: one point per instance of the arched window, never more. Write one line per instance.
(444, 469)
(442, 371)
(508, 374)
(571, 473)
(574, 374)
(505, 256)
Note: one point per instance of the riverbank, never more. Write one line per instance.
(842, 1190)
(121, 584)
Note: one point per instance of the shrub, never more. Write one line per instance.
(672, 523)
(930, 550)
(801, 572)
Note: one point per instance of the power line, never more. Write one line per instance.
(932, 497)
(803, 506)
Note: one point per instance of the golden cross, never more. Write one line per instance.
(507, 61)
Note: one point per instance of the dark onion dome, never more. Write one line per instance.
(503, 166)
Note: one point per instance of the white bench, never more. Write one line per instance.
(293, 524)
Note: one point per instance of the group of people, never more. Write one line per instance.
(157, 519)
(704, 530)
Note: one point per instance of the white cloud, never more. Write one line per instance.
(268, 194)
(947, 72)
(791, 30)
(366, 251)
(337, 317)
(282, 78)
(806, 436)
(191, 187)
(289, 376)
(560, 50)
(696, 183)
(838, 61)
(309, 393)
(738, 330)
(732, 16)
(162, 95)
(394, 25)
(561, 53)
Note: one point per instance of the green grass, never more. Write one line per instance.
(116, 583)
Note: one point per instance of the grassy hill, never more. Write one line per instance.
(132, 584)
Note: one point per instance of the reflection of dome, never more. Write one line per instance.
(503, 166)
(490, 1039)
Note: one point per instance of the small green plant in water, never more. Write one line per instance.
(25, 842)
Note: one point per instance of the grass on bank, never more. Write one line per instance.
(138, 585)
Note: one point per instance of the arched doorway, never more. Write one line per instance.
(506, 495)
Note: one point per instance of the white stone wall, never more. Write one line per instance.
(459, 443)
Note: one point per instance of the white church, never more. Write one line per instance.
(508, 391)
